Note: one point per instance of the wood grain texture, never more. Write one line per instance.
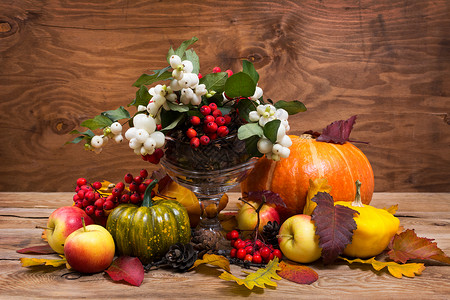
(427, 213)
(387, 61)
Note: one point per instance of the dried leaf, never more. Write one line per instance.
(42, 249)
(337, 132)
(315, 186)
(260, 278)
(215, 260)
(334, 226)
(127, 268)
(407, 245)
(271, 197)
(392, 210)
(396, 270)
(298, 273)
(32, 262)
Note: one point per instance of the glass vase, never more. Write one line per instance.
(208, 171)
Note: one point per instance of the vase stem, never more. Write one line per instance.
(209, 219)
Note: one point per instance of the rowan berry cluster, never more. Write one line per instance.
(211, 126)
(254, 251)
(98, 200)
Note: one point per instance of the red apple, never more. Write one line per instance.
(63, 222)
(247, 217)
(298, 240)
(89, 249)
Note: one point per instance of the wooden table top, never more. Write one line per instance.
(20, 213)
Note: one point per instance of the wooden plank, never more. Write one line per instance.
(386, 62)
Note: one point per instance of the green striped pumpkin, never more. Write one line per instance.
(147, 232)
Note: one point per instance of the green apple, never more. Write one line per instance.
(89, 249)
(63, 222)
(298, 240)
(247, 218)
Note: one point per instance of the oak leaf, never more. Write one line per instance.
(298, 273)
(215, 260)
(260, 278)
(41, 249)
(337, 132)
(127, 268)
(32, 262)
(407, 245)
(395, 269)
(334, 226)
(315, 186)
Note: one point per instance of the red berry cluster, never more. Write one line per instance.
(254, 251)
(214, 125)
(155, 157)
(98, 204)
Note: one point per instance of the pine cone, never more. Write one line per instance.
(181, 256)
(270, 232)
(205, 240)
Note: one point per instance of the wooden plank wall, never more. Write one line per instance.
(62, 62)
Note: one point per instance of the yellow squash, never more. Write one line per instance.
(375, 228)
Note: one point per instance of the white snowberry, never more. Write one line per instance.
(134, 144)
(118, 138)
(285, 141)
(141, 135)
(253, 116)
(97, 141)
(175, 61)
(284, 152)
(159, 138)
(188, 67)
(177, 74)
(258, 94)
(130, 133)
(150, 145)
(264, 145)
(142, 121)
(116, 128)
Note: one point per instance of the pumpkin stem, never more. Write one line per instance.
(357, 202)
(147, 202)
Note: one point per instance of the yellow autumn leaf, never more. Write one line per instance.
(260, 278)
(392, 210)
(315, 186)
(396, 270)
(215, 260)
(31, 262)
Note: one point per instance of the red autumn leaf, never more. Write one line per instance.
(337, 132)
(42, 249)
(298, 273)
(271, 197)
(127, 268)
(407, 245)
(334, 226)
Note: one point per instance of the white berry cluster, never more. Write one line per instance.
(113, 132)
(143, 137)
(264, 114)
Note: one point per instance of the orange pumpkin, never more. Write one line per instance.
(341, 165)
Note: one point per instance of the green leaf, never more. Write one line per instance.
(169, 54)
(271, 130)
(251, 146)
(240, 85)
(249, 69)
(245, 106)
(99, 121)
(158, 75)
(249, 130)
(184, 45)
(142, 97)
(192, 57)
(176, 107)
(76, 140)
(215, 81)
(85, 133)
(117, 114)
(170, 119)
(292, 107)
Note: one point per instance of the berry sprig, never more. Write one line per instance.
(254, 251)
(98, 203)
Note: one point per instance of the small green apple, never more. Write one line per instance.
(89, 249)
(298, 240)
(62, 222)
